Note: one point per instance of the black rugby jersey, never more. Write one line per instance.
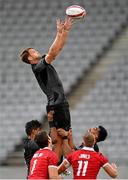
(30, 147)
(49, 82)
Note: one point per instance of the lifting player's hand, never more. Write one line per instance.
(69, 21)
(60, 25)
(62, 132)
(64, 25)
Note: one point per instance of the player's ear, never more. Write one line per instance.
(30, 58)
(49, 140)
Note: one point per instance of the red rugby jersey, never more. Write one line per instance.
(86, 163)
(40, 162)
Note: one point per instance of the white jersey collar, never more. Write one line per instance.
(47, 148)
(88, 148)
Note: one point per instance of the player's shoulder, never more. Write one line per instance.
(76, 152)
(51, 152)
(52, 156)
(100, 156)
(26, 140)
(29, 143)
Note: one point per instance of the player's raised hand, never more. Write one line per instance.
(60, 25)
(69, 21)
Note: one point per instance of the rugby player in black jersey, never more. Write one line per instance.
(32, 128)
(49, 81)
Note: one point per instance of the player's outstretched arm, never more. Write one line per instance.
(67, 149)
(111, 170)
(63, 29)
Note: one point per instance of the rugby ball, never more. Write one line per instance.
(75, 11)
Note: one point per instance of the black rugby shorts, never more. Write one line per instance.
(61, 116)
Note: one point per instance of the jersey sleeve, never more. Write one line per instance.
(52, 160)
(104, 160)
(40, 66)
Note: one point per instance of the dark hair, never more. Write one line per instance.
(102, 134)
(33, 124)
(96, 148)
(41, 139)
(24, 55)
(88, 139)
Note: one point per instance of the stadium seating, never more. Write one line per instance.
(106, 105)
(32, 24)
